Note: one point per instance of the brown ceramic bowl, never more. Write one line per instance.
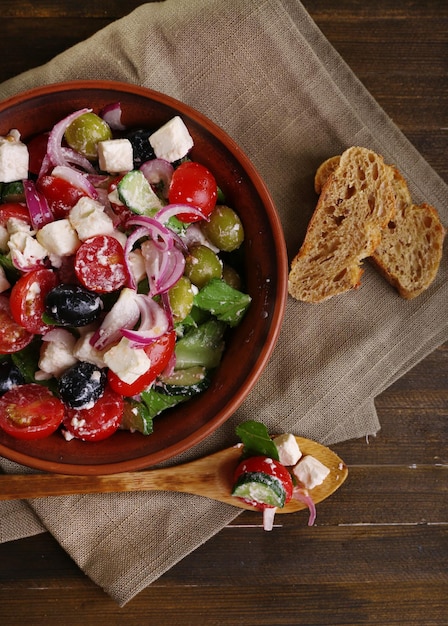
(265, 266)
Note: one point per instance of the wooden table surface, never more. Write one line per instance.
(379, 551)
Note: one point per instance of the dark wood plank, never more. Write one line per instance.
(378, 554)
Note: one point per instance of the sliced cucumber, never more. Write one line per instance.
(186, 382)
(202, 346)
(260, 488)
(137, 194)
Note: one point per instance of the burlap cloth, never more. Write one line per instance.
(264, 72)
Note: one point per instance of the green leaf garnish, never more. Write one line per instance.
(256, 440)
(223, 301)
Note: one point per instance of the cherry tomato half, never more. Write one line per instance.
(27, 299)
(195, 185)
(159, 352)
(30, 411)
(59, 193)
(13, 336)
(100, 264)
(98, 422)
(14, 209)
(255, 468)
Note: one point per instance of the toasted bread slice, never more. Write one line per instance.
(411, 246)
(356, 203)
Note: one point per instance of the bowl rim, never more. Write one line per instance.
(279, 308)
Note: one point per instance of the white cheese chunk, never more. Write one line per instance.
(172, 141)
(84, 351)
(115, 155)
(126, 362)
(288, 449)
(59, 238)
(310, 471)
(57, 356)
(16, 225)
(14, 158)
(26, 251)
(88, 218)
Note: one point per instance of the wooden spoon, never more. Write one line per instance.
(210, 476)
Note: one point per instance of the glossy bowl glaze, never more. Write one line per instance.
(248, 347)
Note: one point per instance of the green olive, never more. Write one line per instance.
(231, 276)
(224, 228)
(201, 265)
(181, 298)
(84, 133)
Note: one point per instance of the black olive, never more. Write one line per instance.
(72, 305)
(141, 148)
(10, 376)
(82, 384)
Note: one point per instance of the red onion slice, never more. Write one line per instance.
(163, 267)
(172, 210)
(76, 158)
(37, 204)
(75, 178)
(55, 152)
(301, 494)
(138, 233)
(153, 322)
(161, 235)
(125, 313)
(268, 517)
(158, 171)
(111, 114)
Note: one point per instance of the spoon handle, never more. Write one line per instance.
(205, 477)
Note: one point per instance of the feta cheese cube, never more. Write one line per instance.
(59, 238)
(26, 251)
(172, 141)
(88, 218)
(57, 356)
(126, 362)
(14, 158)
(115, 155)
(84, 351)
(310, 471)
(16, 225)
(288, 449)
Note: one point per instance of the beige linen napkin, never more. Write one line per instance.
(264, 72)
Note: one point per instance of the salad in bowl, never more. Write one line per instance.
(123, 279)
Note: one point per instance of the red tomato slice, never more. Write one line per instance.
(98, 422)
(193, 184)
(265, 465)
(159, 352)
(59, 193)
(13, 337)
(30, 412)
(100, 264)
(14, 209)
(27, 299)
(37, 149)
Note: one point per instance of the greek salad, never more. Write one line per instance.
(118, 279)
(272, 471)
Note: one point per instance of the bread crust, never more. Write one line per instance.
(356, 202)
(409, 251)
